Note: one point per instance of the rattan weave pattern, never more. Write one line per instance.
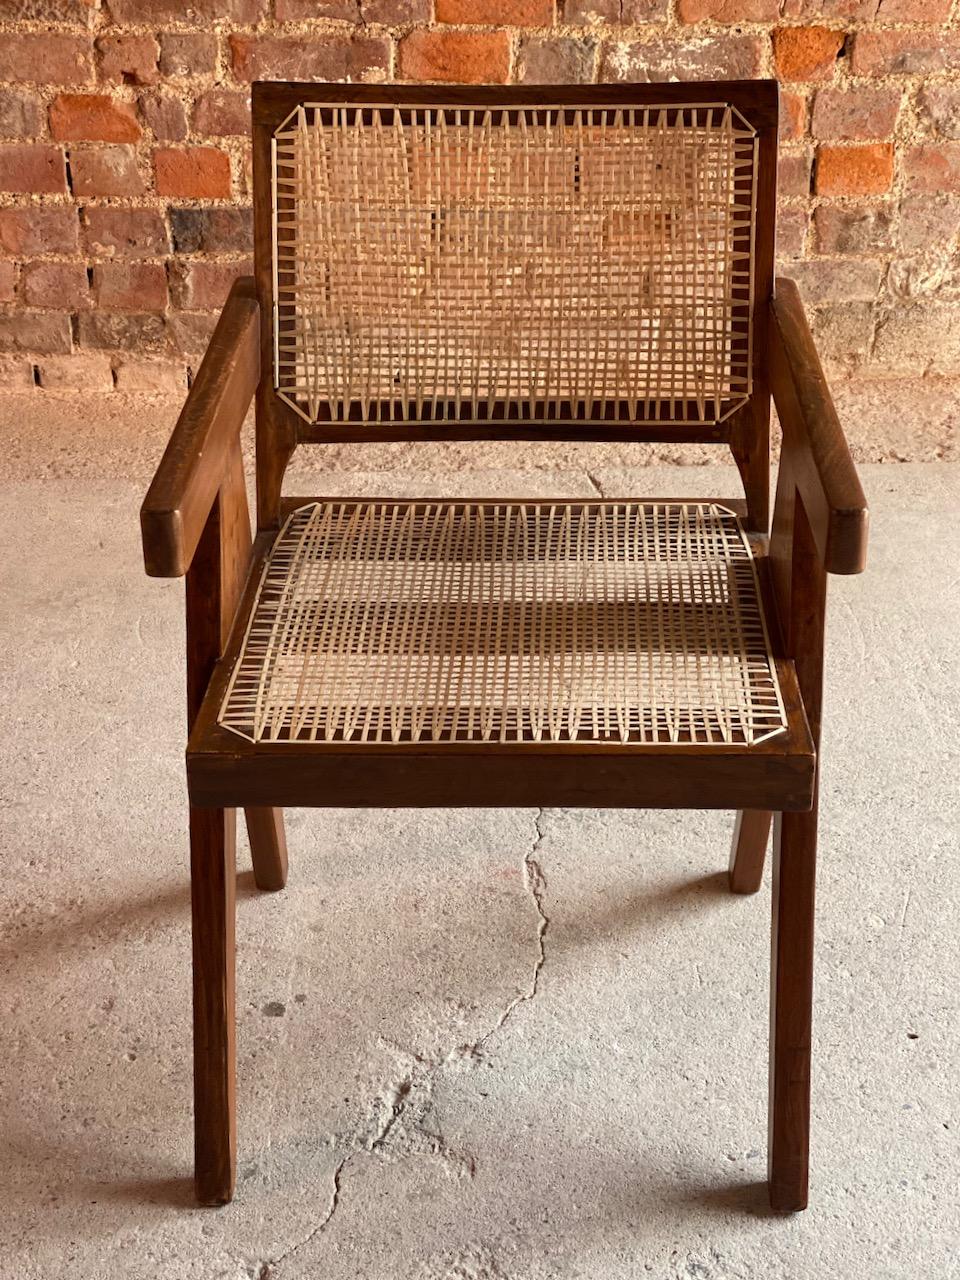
(516, 264)
(381, 621)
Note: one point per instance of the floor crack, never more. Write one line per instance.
(536, 883)
(392, 1102)
(267, 1271)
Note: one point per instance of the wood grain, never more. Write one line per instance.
(794, 868)
(178, 501)
(751, 834)
(212, 894)
(755, 99)
(215, 582)
(212, 888)
(813, 440)
(268, 846)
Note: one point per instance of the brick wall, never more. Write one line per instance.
(125, 170)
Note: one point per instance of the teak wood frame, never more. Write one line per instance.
(195, 523)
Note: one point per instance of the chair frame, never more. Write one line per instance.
(195, 523)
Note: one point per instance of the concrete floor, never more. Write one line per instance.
(473, 1045)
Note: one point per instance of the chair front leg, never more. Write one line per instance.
(791, 1007)
(213, 910)
(799, 576)
(751, 834)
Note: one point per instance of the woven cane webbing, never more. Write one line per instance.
(438, 622)
(516, 265)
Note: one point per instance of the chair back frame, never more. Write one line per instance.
(746, 430)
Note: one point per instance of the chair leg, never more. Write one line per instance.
(750, 835)
(213, 900)
(791, 1008)
(268, 846)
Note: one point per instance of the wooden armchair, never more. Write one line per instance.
(530, 264)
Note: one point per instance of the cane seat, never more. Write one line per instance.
(525, 622)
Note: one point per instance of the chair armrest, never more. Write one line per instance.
(814, 445)
(195, 459)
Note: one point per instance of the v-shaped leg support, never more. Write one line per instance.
(751, 835)
(268, 847)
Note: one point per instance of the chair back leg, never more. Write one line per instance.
(751, 834)
(268, 846)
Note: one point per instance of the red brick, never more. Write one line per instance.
(835, 280)
(560, 61)
(728, 11)
(46, 58)
(196, 173)
(190, 331)
(918, 340)
(78, 12)
(203, 286)
(144, 333)
(187, 53)
(396, 13)
(843, 333)
(325, 57)
(513, 13)
(590, 12)
(92, 117)
(881, 53)
(242, 13)
(857, 113)
(130, 286)
(792, 223)
(854, 229)
(806, 53)
(634, 11)
(932, 169)
(46, 332)
(223, 230)
(793, 116)
(124, 233)
(16, 373)
(151, 377)
(8, 280)
(129, 59)
(222, 113)
(63, 285)
(817, 10)
(298, 10)
(941, 106)
(164, 116)
(932, 11)
(21, 115)
(928, 221)
(793, 173)
(32, 167)
(38, 230)
(462, 57)
(627, 12)
(709, 57)
(105, 171)
(854, 171)
(83, 371)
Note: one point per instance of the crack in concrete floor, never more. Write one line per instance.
(417, 1083)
